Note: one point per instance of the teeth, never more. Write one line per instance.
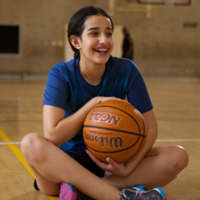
(102, 50)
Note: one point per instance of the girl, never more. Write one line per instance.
(59, 160)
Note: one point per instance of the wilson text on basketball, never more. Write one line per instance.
(113, 142)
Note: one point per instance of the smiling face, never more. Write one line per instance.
(96, 42)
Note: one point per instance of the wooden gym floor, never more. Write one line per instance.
(177, 108)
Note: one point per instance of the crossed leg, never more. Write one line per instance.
(51, 166)
(160, 166)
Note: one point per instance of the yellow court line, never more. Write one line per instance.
(16, 151)
(19, 155)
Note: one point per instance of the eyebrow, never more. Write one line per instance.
(94, 28)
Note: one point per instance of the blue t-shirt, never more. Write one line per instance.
(67, 89)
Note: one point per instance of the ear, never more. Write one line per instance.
(75, 41)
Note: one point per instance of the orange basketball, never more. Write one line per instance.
(114, 129)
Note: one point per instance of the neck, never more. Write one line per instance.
(92, 73)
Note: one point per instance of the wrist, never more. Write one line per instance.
(96, 100)
(92, 103)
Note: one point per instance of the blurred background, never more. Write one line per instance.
(33, 38)
(166, 36)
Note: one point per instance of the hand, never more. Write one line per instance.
(117, 169)
(103, 99)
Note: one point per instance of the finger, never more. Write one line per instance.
(111, 162)
(101, 164)
(108, 99)
(114, 98)
(90, 154)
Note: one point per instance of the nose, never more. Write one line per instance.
(103, 39)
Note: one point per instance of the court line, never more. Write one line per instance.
(19, 155)
(185, 79)
(16, 151)
(159, 140)
(178, 140)
(6, 143)
(16, 120)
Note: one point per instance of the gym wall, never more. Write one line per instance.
(167, 42)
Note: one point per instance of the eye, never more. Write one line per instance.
(94, 33)
(109, 34)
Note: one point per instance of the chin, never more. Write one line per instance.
(102, 61)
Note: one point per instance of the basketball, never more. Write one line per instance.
(114, 129)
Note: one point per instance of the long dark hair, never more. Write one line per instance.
(76, 23)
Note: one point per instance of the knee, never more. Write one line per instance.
(32, 145)
(50, 191)
(178, 159)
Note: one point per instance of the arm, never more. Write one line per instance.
(58, 129)
(152, 132)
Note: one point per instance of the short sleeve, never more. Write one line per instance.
(137, 93)
(57, 90)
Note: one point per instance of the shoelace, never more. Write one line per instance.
(138, 196)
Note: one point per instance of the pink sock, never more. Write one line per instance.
(66, 192)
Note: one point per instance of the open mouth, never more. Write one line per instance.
(101, 50)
